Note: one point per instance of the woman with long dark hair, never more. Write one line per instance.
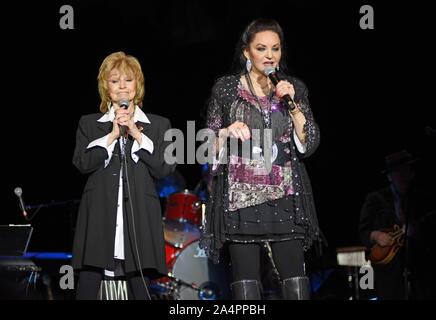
(261, 193)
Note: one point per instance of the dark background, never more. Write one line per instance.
(366, 91)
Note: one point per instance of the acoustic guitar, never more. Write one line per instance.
(384, 255)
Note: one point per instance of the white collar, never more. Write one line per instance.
(138, 116)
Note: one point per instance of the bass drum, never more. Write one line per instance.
(210, 281)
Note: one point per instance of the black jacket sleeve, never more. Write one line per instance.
(87, 160)
(156, 162)
(310, 128)
(367, 219)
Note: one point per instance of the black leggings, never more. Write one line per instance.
(288, 257)
(90, 280)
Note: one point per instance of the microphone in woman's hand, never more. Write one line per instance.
(123, 104)
(271, 73)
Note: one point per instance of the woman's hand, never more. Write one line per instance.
(116, 132)
(123, 117)
(285, 87)
(238, 130)
(298, 118)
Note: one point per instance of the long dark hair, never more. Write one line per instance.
(250, 31)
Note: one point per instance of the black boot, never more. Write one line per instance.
(296, 288)
(245, 290)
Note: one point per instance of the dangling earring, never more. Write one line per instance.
(248, 65)
(278, 67)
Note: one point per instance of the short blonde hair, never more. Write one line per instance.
(125, 64)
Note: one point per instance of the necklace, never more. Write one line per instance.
(266, 120)
(266, 112)
(261, 87)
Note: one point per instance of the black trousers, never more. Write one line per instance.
(288, 258)
(90, 280)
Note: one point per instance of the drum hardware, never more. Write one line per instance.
(192, 276)
(204, 293)
(203, 215)
(197, 204)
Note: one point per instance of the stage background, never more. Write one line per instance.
(366, 90)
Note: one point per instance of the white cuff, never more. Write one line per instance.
(102, 142)
(146, 144)
(300, 146)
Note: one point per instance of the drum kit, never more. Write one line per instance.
(192, 276)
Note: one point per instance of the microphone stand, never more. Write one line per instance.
(31, 216)
(51, 204)
(70, 211)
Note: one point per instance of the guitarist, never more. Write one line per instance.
(382, 210)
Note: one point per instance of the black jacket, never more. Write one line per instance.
(378, 211)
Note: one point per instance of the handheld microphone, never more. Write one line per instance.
(271, 73)
(123, 104)
(18, 192)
